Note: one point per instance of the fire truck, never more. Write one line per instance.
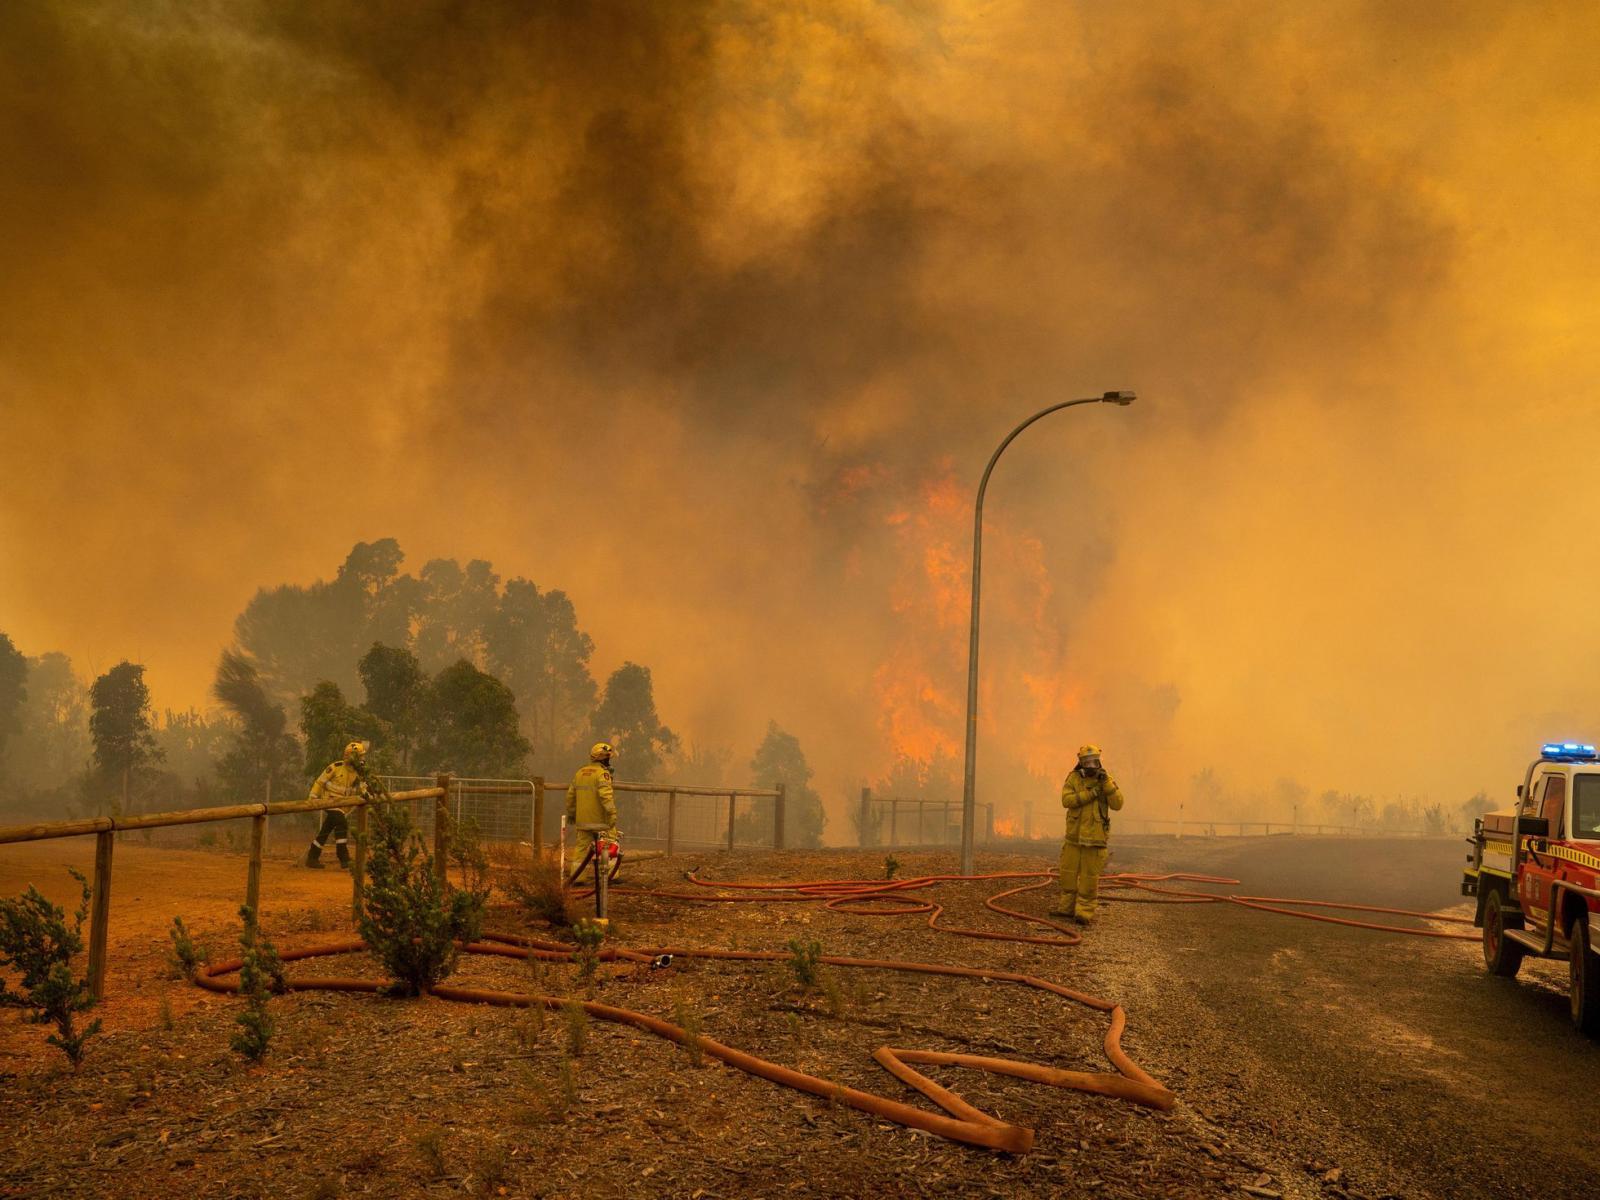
(1535, 869)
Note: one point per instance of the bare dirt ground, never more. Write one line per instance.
(1309, 1060)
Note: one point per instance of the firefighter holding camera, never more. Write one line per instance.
(1089, 796)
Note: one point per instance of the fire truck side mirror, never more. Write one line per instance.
(1519, 791)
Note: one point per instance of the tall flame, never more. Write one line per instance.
(919, 682)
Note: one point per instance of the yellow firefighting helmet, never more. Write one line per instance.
(1086, 752)
(355, 750)
(601, 752)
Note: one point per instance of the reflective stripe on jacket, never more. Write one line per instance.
(337, 781)
(590, 800)
(1089, 803)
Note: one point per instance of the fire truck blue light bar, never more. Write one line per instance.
(1567, 750)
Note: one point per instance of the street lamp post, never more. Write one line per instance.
(968, 803)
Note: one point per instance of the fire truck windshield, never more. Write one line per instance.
(1586, 807)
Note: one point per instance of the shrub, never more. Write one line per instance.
(412, 922)
(36, 940)
(556, 1101)
(833, 994)
(891, 864)
(430, 1148)
(567, 1081)
(541, 894)
(805, 960)
(577, 1019)
(260, 977)
(589, 935)
(689, 1020)
(186, 954)
(467, 854)
(492, 1167)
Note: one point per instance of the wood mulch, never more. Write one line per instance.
(362, 1096)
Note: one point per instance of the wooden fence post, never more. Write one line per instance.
(988, 822)
(100, 913)
(894, 821)
(672, 822)
(252, 886)
(441, 828)
(733, 798)
(358, 870)
(866, 815)
(922, 808)
(538, 817)
(778, 805)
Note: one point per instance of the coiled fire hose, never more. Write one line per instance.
(960, 1121)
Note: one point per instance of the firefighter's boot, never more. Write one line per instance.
(344, 854)
(314, 857)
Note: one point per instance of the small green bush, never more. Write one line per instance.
(589, 935)
(492, 1169)
(891, 865)
(805, 960)
(540, 893)
(260, 977)
(577, 1020)
(833, 994)
(430, 1148)
(567, 1081)
(555, 1099)
(413, 923)
(687, 1017)
(467, 855)
(36, 940)
(186, 954)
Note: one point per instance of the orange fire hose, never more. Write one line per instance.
(964, 1123)
(1274, 904)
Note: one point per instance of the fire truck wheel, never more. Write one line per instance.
(1502, 956)
(1584, 977)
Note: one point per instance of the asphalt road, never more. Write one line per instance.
(1351, 1062)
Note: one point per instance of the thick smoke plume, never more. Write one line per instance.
(710, 312)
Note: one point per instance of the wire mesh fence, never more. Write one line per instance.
(891, 821)
(651, 816)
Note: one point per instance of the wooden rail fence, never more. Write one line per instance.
(541, 791)
(105, 830)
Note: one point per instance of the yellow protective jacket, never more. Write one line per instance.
(338, 780)
(590, 800)
(1089, 804)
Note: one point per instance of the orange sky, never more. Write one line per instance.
(710, 313)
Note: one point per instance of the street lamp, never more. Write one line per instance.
(968, 805)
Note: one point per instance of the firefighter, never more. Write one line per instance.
(1089, 795)
(590, 801)
(347, 777)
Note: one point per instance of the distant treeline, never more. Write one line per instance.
(1211, 798)
(446, 670)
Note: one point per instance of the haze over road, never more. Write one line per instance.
(1398, 1060)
